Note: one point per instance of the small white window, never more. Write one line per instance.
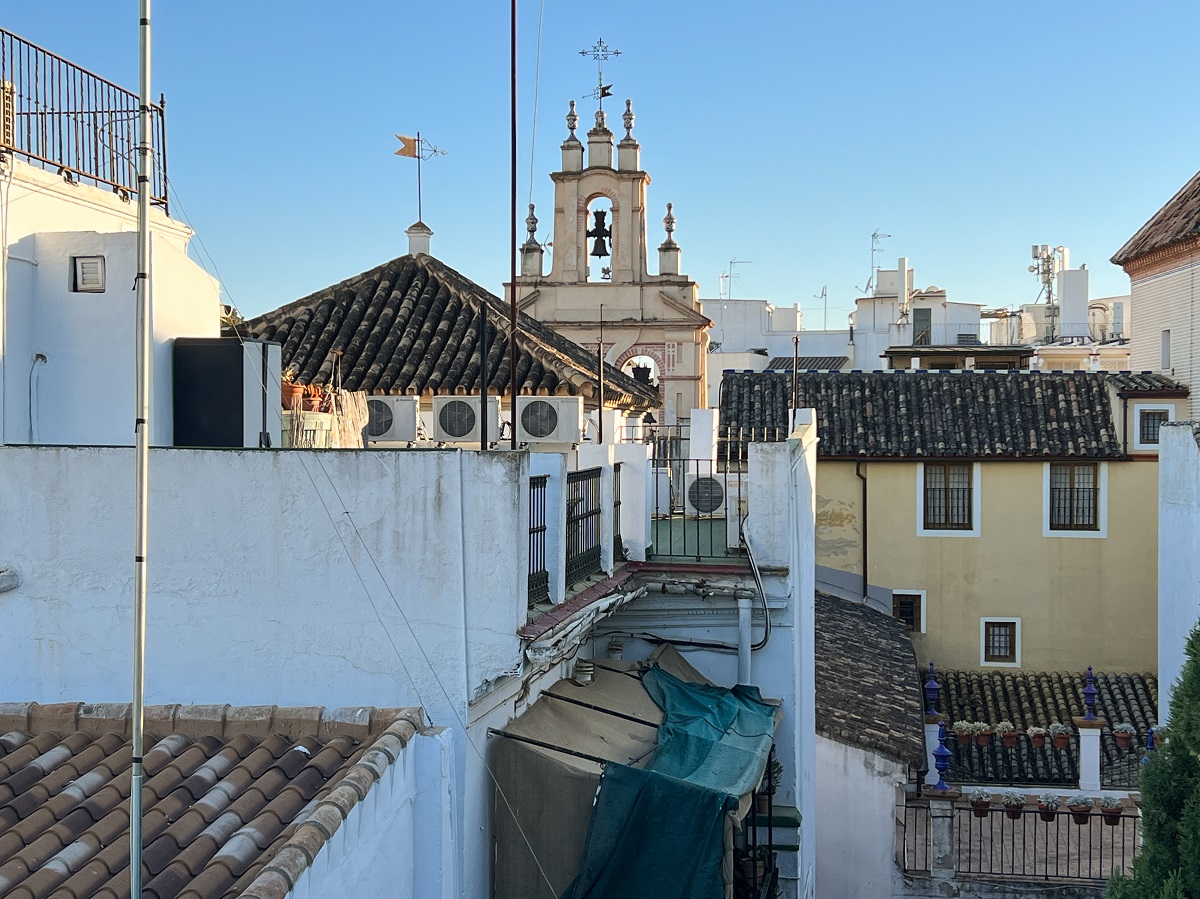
(87, 274)
(1000, 642)
(1147, 420)
(909, 607)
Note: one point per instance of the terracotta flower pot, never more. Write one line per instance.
(1123, 740)
(980, 809)
(1062, 741)
(1112, 816)
(1013, 812)
(1046, 814)
(1009, 740)
(291, 393)
(1081, 814)
(762, 803)
(1037, 741)
(984, 738)
(963, 739)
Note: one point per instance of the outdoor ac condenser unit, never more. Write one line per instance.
(456, 419)
(392, 419)
(552, 419)
(711, 494)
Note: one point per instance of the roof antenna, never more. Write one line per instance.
(869, 290)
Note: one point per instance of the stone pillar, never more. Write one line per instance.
(600, 145)
(1089, 753)
(941, 835)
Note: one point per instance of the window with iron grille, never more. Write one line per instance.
(1000, 641)
(1074, 496)
(948, 499)
(1149, 423)
(907, 607)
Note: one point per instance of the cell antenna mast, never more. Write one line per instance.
(601, 53)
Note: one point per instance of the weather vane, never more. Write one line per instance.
(601, 53)
(417, 148)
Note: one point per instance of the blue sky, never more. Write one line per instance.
(783, 133)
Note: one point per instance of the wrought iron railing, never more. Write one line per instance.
(618, 543)
(583, 524)
(1121, 765)
(539, 574)
(1030, 844)
(62, 117)
(916, 842)
(1023, 763)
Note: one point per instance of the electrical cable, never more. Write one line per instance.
(537, 74)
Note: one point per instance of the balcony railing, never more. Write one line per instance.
(583, 524)
(1010, 332)
(62, 117)
(539, 574)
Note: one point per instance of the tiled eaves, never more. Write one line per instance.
(228, 814)
(548, 621)
(1177, 220)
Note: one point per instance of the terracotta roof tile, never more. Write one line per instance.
(411, 326)
(229, 800)
(1177, 220)
(936, 414)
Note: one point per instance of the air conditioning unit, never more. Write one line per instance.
(392, 419)
(554, 419)
(712, 495)
(456, 419)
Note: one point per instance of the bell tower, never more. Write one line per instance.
(600, 268)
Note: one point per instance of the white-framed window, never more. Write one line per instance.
(1147, 419)
(909, 607)
(948, 499)
(1000, 642)
(1165, 351)
(1075, 499)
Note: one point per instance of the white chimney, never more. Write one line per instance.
(418, 238)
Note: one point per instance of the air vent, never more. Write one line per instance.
(87, 274)
(392, 418)
(557, 419)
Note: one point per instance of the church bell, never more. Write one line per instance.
(598, 247)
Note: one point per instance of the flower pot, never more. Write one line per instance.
(762, 803)
(291, 393)
(1013, 812)
(1009, 740)
(963, 739)
(980, 809)
(1081, 814)
(1038, 741)
(1062, 741)
(1123, 740)
(1112, 816)
(984, 738)
(1046, 814)
(754, 869)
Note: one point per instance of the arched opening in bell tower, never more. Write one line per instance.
(598, 244)
(642, 368)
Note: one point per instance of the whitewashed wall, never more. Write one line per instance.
(1178, 550)
(856, 806)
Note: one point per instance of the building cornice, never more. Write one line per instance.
(1161, 260)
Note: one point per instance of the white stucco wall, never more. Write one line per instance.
(856, 806)
(1178, 551)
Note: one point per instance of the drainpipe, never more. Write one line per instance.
(1125, 425)
(858, 470)
(744, 618)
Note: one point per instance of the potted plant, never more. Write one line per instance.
(1007, 734)
(1048, 806)
(1110, 810)
(1013, 801)
(983, 733)
(766, 789)
(963, 731)
(1081, 807)
(981, 802)
(292, 392)
(754, 864)
(1123, 734)
(1037, 736)
(1060, 735)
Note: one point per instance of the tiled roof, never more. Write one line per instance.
(411, 326)
(903, 414)
(1147, 382)
(867, 692)
(1176, 221)
(808, 363)
(237, 801)
(1040, 698)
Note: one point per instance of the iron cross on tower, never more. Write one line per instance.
(601, 53)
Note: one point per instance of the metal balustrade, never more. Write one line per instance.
(539, 574)
(583, 524)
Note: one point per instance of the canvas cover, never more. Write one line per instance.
(543, 798)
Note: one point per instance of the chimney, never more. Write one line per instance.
(418, 238)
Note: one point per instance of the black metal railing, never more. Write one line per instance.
(697, 511)
(1022, 763)
(1121, 764)
(916, 842)
(618, 543)
(1024, 844)
(62, 117)
(733, 443)
(539, 574)
(583, 524)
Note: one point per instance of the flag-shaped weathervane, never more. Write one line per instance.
(418, 149)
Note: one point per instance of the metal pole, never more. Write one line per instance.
(483, 376)
(600, 361)
(420, 213)
(512, 250)
(142, 451)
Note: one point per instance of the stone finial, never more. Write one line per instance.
(601, 120)
(669, 224)
(941, 757)
(627, 118)
(531, 224)
(572, 120)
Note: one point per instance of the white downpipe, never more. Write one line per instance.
(745, 610)
(34, 420)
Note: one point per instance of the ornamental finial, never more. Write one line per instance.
(601, 124)
(627, 118)
(572, 119)
(531, 224)
(669, 223)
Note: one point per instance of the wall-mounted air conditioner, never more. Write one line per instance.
(710, 495)
(456, 419)
(552, 419)
(392, 419)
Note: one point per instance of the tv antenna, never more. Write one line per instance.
(876, 237)
(601, 53)
(732, 263)
(823, 296)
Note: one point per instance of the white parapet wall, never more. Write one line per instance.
(1178, 550)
